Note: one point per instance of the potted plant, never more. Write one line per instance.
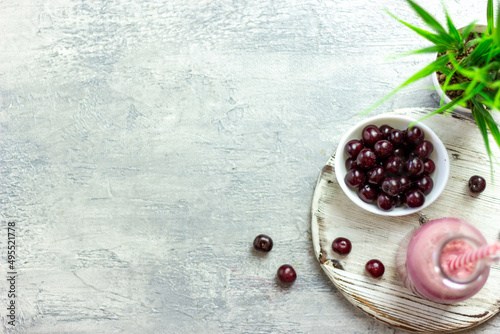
(468, 63)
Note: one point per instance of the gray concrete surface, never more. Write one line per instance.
(144, 144)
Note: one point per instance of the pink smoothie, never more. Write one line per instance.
(423, 256)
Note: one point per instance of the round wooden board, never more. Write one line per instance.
(374, 236)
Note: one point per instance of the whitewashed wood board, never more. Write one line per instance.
(375, 236)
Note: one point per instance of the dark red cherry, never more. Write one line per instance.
(286, 274)
(394, 165)
(355, 178)
(415, 198)
(396, 137)
(383, 149)
(477, 184)
(263, 243)
(375, 268)
(415, 135)
(376, 175)
(405, 183)
(350, 163)
(353, 147)
(370, 135)
(368, 193)
(386, 130)
(425, 184)
(366, 159)
(407, 148)
(399, 200)
(424, 149)
(429, 166)
(385, 202)
(391, 186)
(341, 246)
(400, 152)
(414, 167)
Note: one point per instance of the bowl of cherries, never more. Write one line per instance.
(392, 165)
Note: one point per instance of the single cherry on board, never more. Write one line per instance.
(477, 184)
(341, 246)
(375, 268)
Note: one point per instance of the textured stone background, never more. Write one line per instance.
(144, 144)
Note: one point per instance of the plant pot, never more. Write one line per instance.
(480, 28)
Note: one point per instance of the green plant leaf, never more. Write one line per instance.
(496, 103)
(495, 132)
(430, 49)
(451, 27)
(467, 30)
(435, 66)
(481, 125)
(459, 86)
(466, 96)
(461, 69)
(428, 70)
(477, 73)
(479, 55)
(489, 17)
(447, 71)
(433, 38)
(449, 106)
(487, 98)
(472, 43)
(472, 86)
(431, 21)
(443, 109)
(490, 55)
(482, 120)
(496, 34)
(449, 74)
(490, 122)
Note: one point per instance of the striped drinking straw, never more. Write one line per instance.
(483, 252)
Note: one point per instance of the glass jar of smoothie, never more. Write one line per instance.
(423, 261)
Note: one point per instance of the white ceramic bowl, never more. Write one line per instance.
(439, 156)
